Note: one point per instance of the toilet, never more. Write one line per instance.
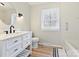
(35, 41)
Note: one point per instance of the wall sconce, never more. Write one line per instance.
(20, 15)
(2, 4)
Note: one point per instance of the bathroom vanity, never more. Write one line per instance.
(12, 45)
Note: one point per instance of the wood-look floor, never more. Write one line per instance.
(42, 51)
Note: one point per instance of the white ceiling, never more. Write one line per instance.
(10, 5)
(35, 3)
(7, 5)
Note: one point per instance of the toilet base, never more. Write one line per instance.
(34, 44)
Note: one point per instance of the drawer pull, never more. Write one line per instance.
(15, 41)
(15, 50)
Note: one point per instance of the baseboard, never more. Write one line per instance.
(46, 44)
(49, 44)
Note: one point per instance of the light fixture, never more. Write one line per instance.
(20, 15)
(2, 4)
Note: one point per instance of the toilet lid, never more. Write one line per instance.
(35, 39)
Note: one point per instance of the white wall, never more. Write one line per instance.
(45, 36)
(69, 12)
(23, 8)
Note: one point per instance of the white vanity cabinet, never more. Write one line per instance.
(27, 40)
(13, 46)
(10, 47)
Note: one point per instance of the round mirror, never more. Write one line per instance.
(6, 11)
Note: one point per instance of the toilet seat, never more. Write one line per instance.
(35, 39)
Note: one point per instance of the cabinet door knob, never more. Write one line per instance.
(15, 41)
(15, 49)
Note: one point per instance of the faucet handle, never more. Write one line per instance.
(13, 31)
(6, 32)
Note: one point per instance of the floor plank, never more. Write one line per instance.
(42, 51)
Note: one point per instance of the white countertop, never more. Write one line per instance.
(7, 36)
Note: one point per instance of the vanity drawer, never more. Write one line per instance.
(13, 41)
(25, 43)
(14, 50)
(26, 36)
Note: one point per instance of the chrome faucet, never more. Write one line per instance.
(11, 28)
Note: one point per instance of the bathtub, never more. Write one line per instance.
(70, 50)
(67, 51)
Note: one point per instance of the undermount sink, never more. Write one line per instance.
(5, 36)
(10, 34)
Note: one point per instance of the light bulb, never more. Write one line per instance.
(20, 18)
